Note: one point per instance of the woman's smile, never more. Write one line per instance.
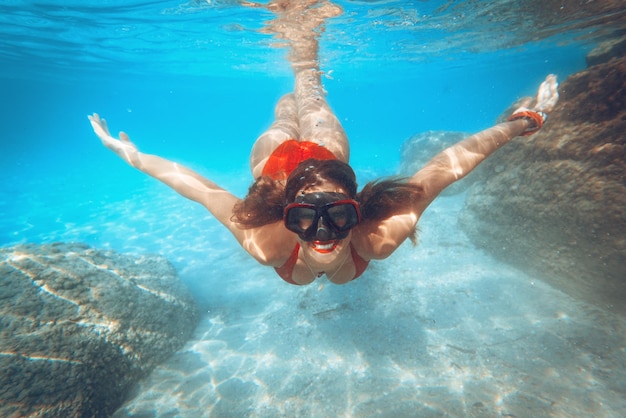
(324, 247)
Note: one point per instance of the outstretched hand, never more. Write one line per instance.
(546, 99)
(537, 111)
(122, 146)
(547, 96)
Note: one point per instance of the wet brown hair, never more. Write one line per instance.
(379, 200)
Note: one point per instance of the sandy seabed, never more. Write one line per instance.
(436, 330)
(440, 329)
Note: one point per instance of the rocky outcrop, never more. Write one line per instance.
(607, 50)
(420, 148)
(554, 204)
(80, 326)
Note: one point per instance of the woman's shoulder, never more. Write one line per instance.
(270, 244)
(378, 239)
(363, 238)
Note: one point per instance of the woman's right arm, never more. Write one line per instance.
(183, 180)
(269, 244)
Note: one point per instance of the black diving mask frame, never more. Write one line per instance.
(322, 216)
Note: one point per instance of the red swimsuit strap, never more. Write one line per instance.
(286, 270)
(360, 264)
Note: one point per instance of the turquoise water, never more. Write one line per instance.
(196, 82)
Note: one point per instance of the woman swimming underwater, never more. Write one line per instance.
(303, 214)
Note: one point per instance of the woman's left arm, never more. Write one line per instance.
(378, 240)
(456, 162)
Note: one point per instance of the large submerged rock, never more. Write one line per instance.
(555, 203)
(81, 326)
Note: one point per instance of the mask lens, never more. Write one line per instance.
(343, 216)
(300, 219)
(322, 216)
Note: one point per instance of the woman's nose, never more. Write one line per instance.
(322, 230)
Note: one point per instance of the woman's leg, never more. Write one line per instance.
(300, 22)
(285, 127)
(317, 121)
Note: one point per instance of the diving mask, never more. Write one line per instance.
(322, 216)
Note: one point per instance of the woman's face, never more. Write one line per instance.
(323, 241)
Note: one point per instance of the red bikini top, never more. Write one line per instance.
(286, 270)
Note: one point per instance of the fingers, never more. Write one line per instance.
(129, 146)
(124, 138)
(96, 124)
(103, 122)
(95, 121)
(544, 92)
(548, 94)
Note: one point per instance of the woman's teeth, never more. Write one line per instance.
(324, 246)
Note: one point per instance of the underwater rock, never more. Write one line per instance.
(555, 202)
(80, 326)
(421, 147)
(607, 50)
